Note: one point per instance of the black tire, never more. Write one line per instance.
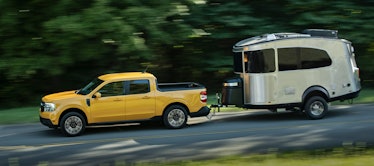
(175, 117)
(316, 107)
(72, 124)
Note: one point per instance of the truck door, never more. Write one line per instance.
(110, 107)
(140, 101)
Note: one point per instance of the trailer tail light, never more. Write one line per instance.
(358, 73)
(203, 96)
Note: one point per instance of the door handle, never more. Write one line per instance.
(117, 100)
(146, 97)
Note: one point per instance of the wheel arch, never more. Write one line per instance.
(315, 91)
(73, 110)
(176, 103)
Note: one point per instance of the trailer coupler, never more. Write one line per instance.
(215, 107)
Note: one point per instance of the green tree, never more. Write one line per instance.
(58, 44)
(353, 20)
(49, 46)
(228, 22)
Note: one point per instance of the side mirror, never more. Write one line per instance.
(96, 95)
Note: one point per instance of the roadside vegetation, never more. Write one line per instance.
(19, 115)
(345, 156)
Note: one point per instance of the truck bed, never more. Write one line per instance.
(178, 86)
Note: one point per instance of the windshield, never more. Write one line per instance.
(90, 87)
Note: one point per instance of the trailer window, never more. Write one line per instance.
(238, 62)
(260, 61)
(314, 58)
(288, 59)
(302, 58)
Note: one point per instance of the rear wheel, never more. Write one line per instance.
(72, 124)
(316, 107)
(175, 117)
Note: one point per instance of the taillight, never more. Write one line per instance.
(358, 72)
(203, 96)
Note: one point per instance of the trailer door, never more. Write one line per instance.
(258, 75)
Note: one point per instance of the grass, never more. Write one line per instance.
(19, 115)
(269, 160)
(343, 156)
(265, 160)
(366, 96)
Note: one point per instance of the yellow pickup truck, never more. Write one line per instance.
(121, 98)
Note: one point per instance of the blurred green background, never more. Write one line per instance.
(51, 46)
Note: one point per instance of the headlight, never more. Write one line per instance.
(48, 107)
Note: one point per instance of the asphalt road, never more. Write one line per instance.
(255, 131)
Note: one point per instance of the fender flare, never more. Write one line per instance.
(315, 91)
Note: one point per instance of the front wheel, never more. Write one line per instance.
(175, 117)
(72, 124)
(316, 107)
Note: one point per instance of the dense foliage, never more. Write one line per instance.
(49, 46)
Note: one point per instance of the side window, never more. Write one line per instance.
(137, 87)
(288, 59)
(302, 58)
(314, 58)
(112, 89)
(261, 61)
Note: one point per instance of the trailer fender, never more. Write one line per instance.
(315, 91)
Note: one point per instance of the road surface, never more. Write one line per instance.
(228, 133)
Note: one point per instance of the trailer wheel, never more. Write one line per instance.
(175, 117)
(72, 124)
(316, 107)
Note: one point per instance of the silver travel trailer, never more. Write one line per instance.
(297, 71)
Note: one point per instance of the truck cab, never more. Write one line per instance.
(296, 71)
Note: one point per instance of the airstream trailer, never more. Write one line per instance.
(297, 71)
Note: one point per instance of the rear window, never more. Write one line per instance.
(137, 87)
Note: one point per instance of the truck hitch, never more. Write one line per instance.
(215, 107)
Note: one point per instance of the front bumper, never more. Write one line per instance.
(204, 111)
(47, 122)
